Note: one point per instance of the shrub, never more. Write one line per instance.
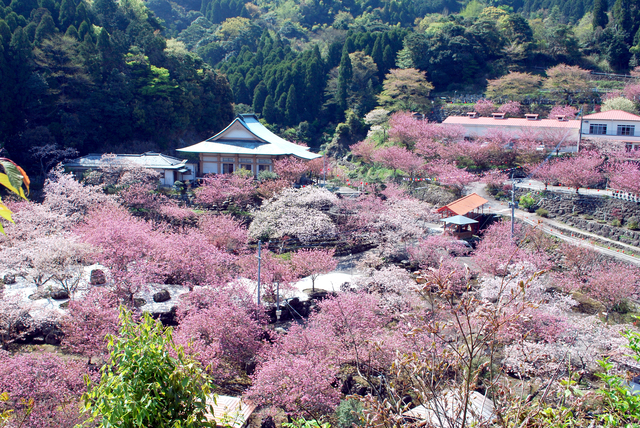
(527, 201)
(616, 223)
(267, 175)
(349, 413)
(148, 381)
(542, 212)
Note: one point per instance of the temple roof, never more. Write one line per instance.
(247, 136)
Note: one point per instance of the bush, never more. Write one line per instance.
(527, 201)
(267, 175)
(632, 223)
(349, 413)
(616, 223)
(149, 381)
(542, 212)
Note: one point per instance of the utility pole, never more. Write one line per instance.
(513, 203)
(259, 263)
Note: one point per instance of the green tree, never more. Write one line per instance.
(269, 110)
(600, 18)
(406, 89)
(259, 96)
(345, 74)
(67, 13)
(148, 381)
(514, 86)
(46, 28)
(291, 107)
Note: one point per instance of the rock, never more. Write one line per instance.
(138, 302)
(59, 294)
(587, 305)
(161, 296)
(9, 279)
(98, 277)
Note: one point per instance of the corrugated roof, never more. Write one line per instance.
(459, 220)
(465, 205)
(446, 410)
(147, 160)
(255, 140)
(613, 115)
(231, 411)
(515, 122)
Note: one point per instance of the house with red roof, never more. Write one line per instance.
(614, 128)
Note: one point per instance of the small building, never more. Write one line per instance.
(460, 217)
(171, 169)
(244, 144)
(613, 128)
(528, 127)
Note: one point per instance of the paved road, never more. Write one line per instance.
(538, 185)
(552, 227)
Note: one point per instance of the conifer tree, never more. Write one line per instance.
(67, 14)
(291, 107)
(269, 110)
(46, 28)
(345, 74)
(259, 97)
(600, 18)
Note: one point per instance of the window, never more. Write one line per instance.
(263, 168)
(626, 130)
(632, 147)
(227, 168)
(598, 129)
(245, 166)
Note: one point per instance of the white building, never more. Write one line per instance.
(244, 144)
(613, 128)
(171, 169)
(530, 127)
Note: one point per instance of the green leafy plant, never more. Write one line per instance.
(304, 423)
(13, 178)
(148, 381)
(349, 413)
(542, 212)
(616, 223)
(527, 201)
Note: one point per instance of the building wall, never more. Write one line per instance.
(218, 164)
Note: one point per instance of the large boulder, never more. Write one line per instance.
(161, 296)
(98, 277)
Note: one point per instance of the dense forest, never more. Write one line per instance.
(133, 76)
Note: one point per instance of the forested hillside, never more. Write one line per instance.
(304, 64)
(132, 76)
(97, 77)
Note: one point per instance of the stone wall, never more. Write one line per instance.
(591, 213)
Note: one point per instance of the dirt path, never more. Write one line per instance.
(583, 238)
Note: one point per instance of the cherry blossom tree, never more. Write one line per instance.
(313, 263)
(89, 321)
(364, 150)
(448, 174)
(222, 329)
(54, 383)
(511, 108)
(270, 188)
(632, 92)
(68, 197)
(398, 158)
(224, 232)
(290, 168)
(276, 274)
(581, 170)
(221, 187)
(624, 176)
(296, 213)
(484, 107)
(568, 112)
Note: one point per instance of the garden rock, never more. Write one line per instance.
(161, 296)
(59, 294)
(98, 277)
(9, 279)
